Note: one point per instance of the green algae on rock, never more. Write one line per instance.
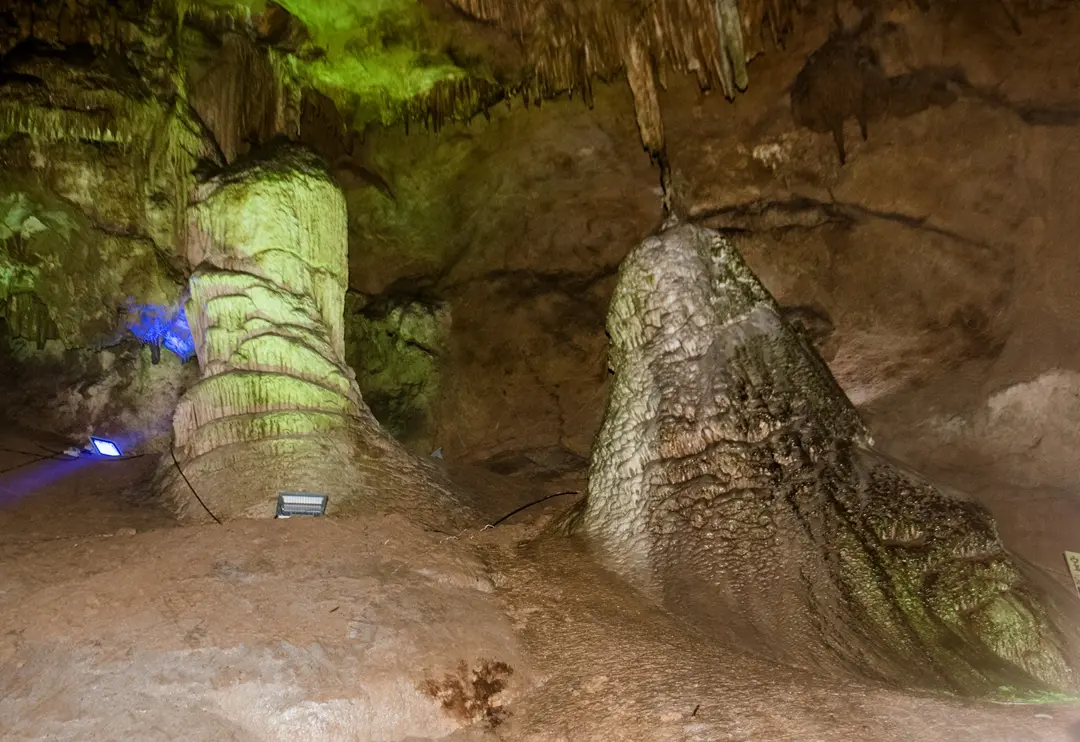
(277, 408)
(397, 349)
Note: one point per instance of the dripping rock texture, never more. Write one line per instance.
(276, 407)
(571, 43)
(733, 480)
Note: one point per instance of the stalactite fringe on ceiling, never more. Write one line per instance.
(385, 62)
(571, 42)
(168, 140)
(388, 61)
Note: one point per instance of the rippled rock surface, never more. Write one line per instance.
(276, 407)
(734, 481)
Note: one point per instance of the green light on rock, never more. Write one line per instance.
(373, 57)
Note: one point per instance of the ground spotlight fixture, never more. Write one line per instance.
(105, 447)
(291, 504)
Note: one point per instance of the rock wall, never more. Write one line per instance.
(938, 251)
(398, 350)
(517, 225)
(97, 154)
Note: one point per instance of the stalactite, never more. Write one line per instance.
(28, 317)
(569, 43)
(247, 95)
(290, 93)
(714, 38)
(642, 77)
(452, 100)
(732, 54)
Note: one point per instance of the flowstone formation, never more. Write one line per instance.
(277, 408)
(733, 480)
(397, 348)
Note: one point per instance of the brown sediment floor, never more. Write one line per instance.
(617, 668)
(116, 624)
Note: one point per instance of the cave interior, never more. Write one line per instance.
(689, 370)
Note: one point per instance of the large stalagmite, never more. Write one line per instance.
(734, 481)
(277, 408)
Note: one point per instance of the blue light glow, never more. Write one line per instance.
(105, 447)
(39, 475)
(178, 337)
(159, 325)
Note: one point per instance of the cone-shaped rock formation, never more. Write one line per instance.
(733, 480)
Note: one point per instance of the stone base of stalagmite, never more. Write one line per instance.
(359, 471)
(734, 482)
(276, 408)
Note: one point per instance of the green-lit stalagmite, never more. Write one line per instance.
(733, 480)
(276, 407)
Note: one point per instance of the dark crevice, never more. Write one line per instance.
(535, 282)
(912, 222)
(810, 213)
(410, 343)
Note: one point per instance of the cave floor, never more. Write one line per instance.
(47, 496)
(117, 624)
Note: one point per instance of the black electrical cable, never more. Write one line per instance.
(26, 453)
(530, 504)
(59, 456)
(172, 452)
(63, 454)
(180, 470)
(46, 448)
(37, 460)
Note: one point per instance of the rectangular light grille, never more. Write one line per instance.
(290, 504)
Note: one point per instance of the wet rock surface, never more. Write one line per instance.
(734, 481)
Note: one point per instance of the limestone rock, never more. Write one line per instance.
(734, 481)
(397, 349)
(277, 408)
(99, 154)
(118, 393)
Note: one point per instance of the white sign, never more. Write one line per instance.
(1073, 560)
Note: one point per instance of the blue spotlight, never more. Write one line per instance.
(105, 447)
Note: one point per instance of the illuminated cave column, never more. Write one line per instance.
(276, 407)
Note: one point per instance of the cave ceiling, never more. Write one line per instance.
(434, 60)
(428, 62)
(113, 106)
